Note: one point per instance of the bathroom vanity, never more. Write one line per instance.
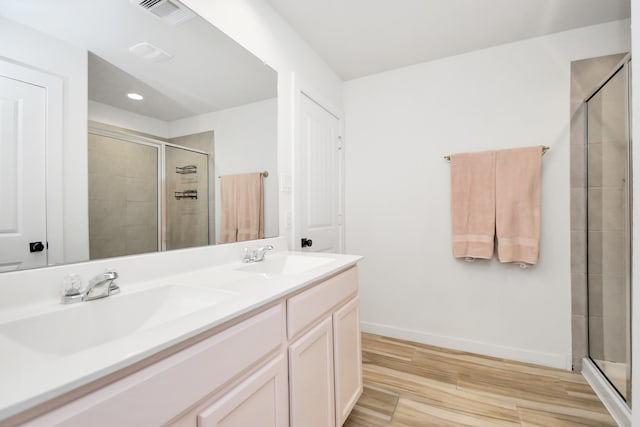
(274, 343)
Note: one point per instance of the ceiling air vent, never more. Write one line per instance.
(171, 12)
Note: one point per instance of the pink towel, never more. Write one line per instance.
(473, 204)
(229, 209)
(242, 200)
(518, 186)
(250, 199)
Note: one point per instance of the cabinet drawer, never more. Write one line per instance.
(311, 305)
(159, 392)
(261, 400)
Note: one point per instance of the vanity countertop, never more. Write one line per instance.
(60, 358)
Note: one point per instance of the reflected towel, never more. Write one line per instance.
(229, 217)
(473, 204)
(242, 200)
(518, 187)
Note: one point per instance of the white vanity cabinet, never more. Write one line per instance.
(311, 384)
(325, 374)
(261, 400)
(295, 363)
(163, 390)
(347, 358)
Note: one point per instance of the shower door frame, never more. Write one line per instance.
(123, 135)
(623, 66)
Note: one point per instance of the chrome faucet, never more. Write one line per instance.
(256, 255)
(100, 286)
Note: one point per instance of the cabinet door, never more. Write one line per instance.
(311, 378)
(261, 400)
(348, 358)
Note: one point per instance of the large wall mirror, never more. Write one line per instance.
(128, 127)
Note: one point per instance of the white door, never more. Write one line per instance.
(320, 178)
(22, 175)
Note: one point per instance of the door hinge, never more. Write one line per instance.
(339, 219)
(339, 143)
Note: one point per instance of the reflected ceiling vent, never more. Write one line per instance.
(150, 52)
(171, 12)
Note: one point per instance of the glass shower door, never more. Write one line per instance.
(187, 206)
(123, 197)
(608, 225)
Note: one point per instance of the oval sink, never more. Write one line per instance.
(89, 324)
(285, 265)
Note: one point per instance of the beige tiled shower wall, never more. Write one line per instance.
(123, 197)
(585, 76)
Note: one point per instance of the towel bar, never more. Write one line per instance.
(544, 150)
(263, 173)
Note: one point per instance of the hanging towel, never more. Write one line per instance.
(249, 196)
(242, 200)
(473, 204)
(228, 211)
(518, 187)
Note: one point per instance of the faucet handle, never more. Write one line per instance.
(71, 289)
(71, 284)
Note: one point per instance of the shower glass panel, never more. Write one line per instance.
(123, 197)
(608, 225)
(187, 207)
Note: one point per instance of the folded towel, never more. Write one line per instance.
(518, 186)
(473, 204)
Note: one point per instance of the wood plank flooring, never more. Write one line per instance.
(410, 384)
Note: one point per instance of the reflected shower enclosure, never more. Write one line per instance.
(609, 229)
(187, 207)
(147, 194)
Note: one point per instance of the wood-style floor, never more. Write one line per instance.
(409, 384)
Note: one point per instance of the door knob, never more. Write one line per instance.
(36, 247)
(304, 242)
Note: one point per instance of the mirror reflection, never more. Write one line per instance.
(154, 130)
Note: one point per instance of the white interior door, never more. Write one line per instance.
(320, 178)
(22, 175)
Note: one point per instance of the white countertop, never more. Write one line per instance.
(29, 377)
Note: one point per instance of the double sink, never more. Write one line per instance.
(66, 330)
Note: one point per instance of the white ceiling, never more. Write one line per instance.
(209, 71)
(361, 37)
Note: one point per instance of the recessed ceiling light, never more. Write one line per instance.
(135, 96)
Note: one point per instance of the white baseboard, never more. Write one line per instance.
(605, 391)
(561, 361)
